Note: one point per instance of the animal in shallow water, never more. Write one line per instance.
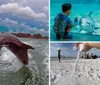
(87, 24)
(17, 47)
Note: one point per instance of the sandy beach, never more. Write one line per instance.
(88, 72)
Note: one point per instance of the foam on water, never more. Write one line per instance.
(12, 71)
(40, 72)
(8, 57)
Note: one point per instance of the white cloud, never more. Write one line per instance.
(21, 2)
(33, 3)
(25, 12)
(14, 26)
(46, 8)
(41, 31)
(6, 20)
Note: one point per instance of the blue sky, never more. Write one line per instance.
(29, 16)
(67, 50)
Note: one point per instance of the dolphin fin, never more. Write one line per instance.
(28, 46)
(90, 13)
(93, 31)
(80, 30)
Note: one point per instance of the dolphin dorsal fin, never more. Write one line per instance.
(90, 13)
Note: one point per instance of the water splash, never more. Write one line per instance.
(78, 56)
(13, 72)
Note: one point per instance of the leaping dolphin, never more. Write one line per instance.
(17, 47)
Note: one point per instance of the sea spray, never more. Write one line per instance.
(78, 56)
(10, 65)
(77, 60)
(75, 73)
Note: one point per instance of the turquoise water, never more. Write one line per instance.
(78, 10)
(76, 1)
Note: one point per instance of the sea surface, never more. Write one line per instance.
(12, 72)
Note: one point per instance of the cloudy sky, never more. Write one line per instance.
(29, 16)
(68, 50)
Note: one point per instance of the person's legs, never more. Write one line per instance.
(67, 36)
(66, 33)
(58, 36)
(59, 58)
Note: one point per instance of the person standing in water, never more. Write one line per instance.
(59, 56)
(62, 22)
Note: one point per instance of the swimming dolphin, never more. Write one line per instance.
(87, 23)
(17, 47)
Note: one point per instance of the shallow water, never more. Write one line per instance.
(78, 10)
(12, 72)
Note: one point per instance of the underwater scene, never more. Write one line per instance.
(87, 13)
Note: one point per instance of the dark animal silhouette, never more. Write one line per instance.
(17, 47)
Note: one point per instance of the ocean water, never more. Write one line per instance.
(76, 2)
(78, 10)
(12, 72)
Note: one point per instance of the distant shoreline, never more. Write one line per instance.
(64, 58)
(68, 58)
(28, 35)
(31, 36)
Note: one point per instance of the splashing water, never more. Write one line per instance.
(78, 56)
(12, 72)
